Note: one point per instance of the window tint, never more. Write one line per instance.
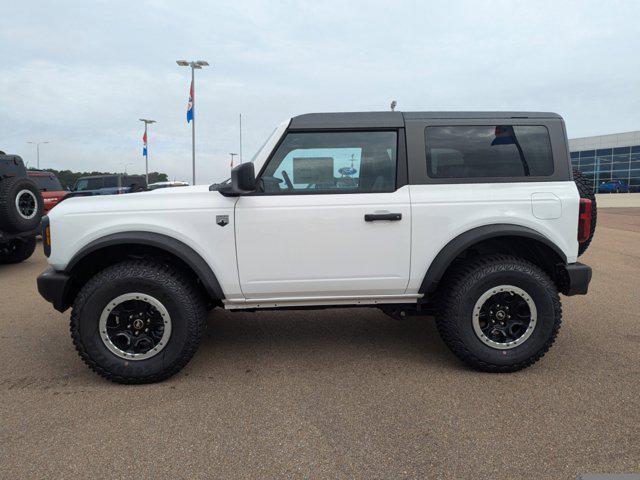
(47, 183)
(88, 184)
(333, 161)
(110, 182)
(621, 150)
(488, 151)
(621, 167)
(128, 181)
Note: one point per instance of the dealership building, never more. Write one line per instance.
(609, 158)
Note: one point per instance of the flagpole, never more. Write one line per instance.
(194, 64)
(193, 124)
(146, 148)
(146, 154)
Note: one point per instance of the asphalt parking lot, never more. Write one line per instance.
(333, 394)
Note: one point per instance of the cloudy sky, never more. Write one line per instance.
(81, 73)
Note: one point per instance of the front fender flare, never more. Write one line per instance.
(164, 242)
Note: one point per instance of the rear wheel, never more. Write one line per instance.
(499, 313)
(138, 322)
(586, 191)
(18, 250)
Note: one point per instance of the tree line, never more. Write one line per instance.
(68, 178)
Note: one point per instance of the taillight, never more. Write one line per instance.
(584, 220)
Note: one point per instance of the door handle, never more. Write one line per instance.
(375, 217)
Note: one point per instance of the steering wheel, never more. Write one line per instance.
(287, 180)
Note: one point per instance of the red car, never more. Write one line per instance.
(50, 188)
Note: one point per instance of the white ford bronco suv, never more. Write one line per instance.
(475, 218)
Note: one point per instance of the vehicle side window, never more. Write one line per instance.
(95, 183)
(110, 182)
(332, 162)
(488, 151)
(88, 184)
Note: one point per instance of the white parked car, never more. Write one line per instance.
(474, 217)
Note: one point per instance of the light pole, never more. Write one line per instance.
(37, 144)
(232, 155)
(195, 65)
(125, 166)
(146, 148)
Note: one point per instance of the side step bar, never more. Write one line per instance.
(252, 303)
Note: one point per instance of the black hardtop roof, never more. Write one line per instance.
(396, 119)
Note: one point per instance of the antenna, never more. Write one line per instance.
(393, 105)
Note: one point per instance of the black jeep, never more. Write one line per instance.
(21, 207)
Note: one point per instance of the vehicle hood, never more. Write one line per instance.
(194, 216)
(166, 199)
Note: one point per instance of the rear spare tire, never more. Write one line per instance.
(586, 191)
(18, 250)
(21, 204)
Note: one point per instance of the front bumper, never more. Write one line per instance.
(55, 287)
(574, 278)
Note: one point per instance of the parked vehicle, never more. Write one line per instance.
(50, 188)
(108, 185)
(473, 217)
(613, 186)
(157, 185)
(21, 207)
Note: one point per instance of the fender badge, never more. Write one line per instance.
(222, 220)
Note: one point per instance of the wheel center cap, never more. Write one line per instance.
(500, 315)
(138, 323)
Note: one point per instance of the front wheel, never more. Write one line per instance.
(138, 321)
(499, 313)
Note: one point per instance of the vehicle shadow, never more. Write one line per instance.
(332, 336)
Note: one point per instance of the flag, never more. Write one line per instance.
(190, 104)
(144, 144)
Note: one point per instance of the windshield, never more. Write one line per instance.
(262, 146)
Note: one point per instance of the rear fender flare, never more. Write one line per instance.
(459, 244)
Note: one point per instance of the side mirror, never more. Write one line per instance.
(243, 180)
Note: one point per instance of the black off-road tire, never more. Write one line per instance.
(180, 295)
(466, 284)
(18, 250)
(586, 191)
(11, 218)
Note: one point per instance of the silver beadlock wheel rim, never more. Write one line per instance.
(26, 204)
(155, 303)
(509, 289)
